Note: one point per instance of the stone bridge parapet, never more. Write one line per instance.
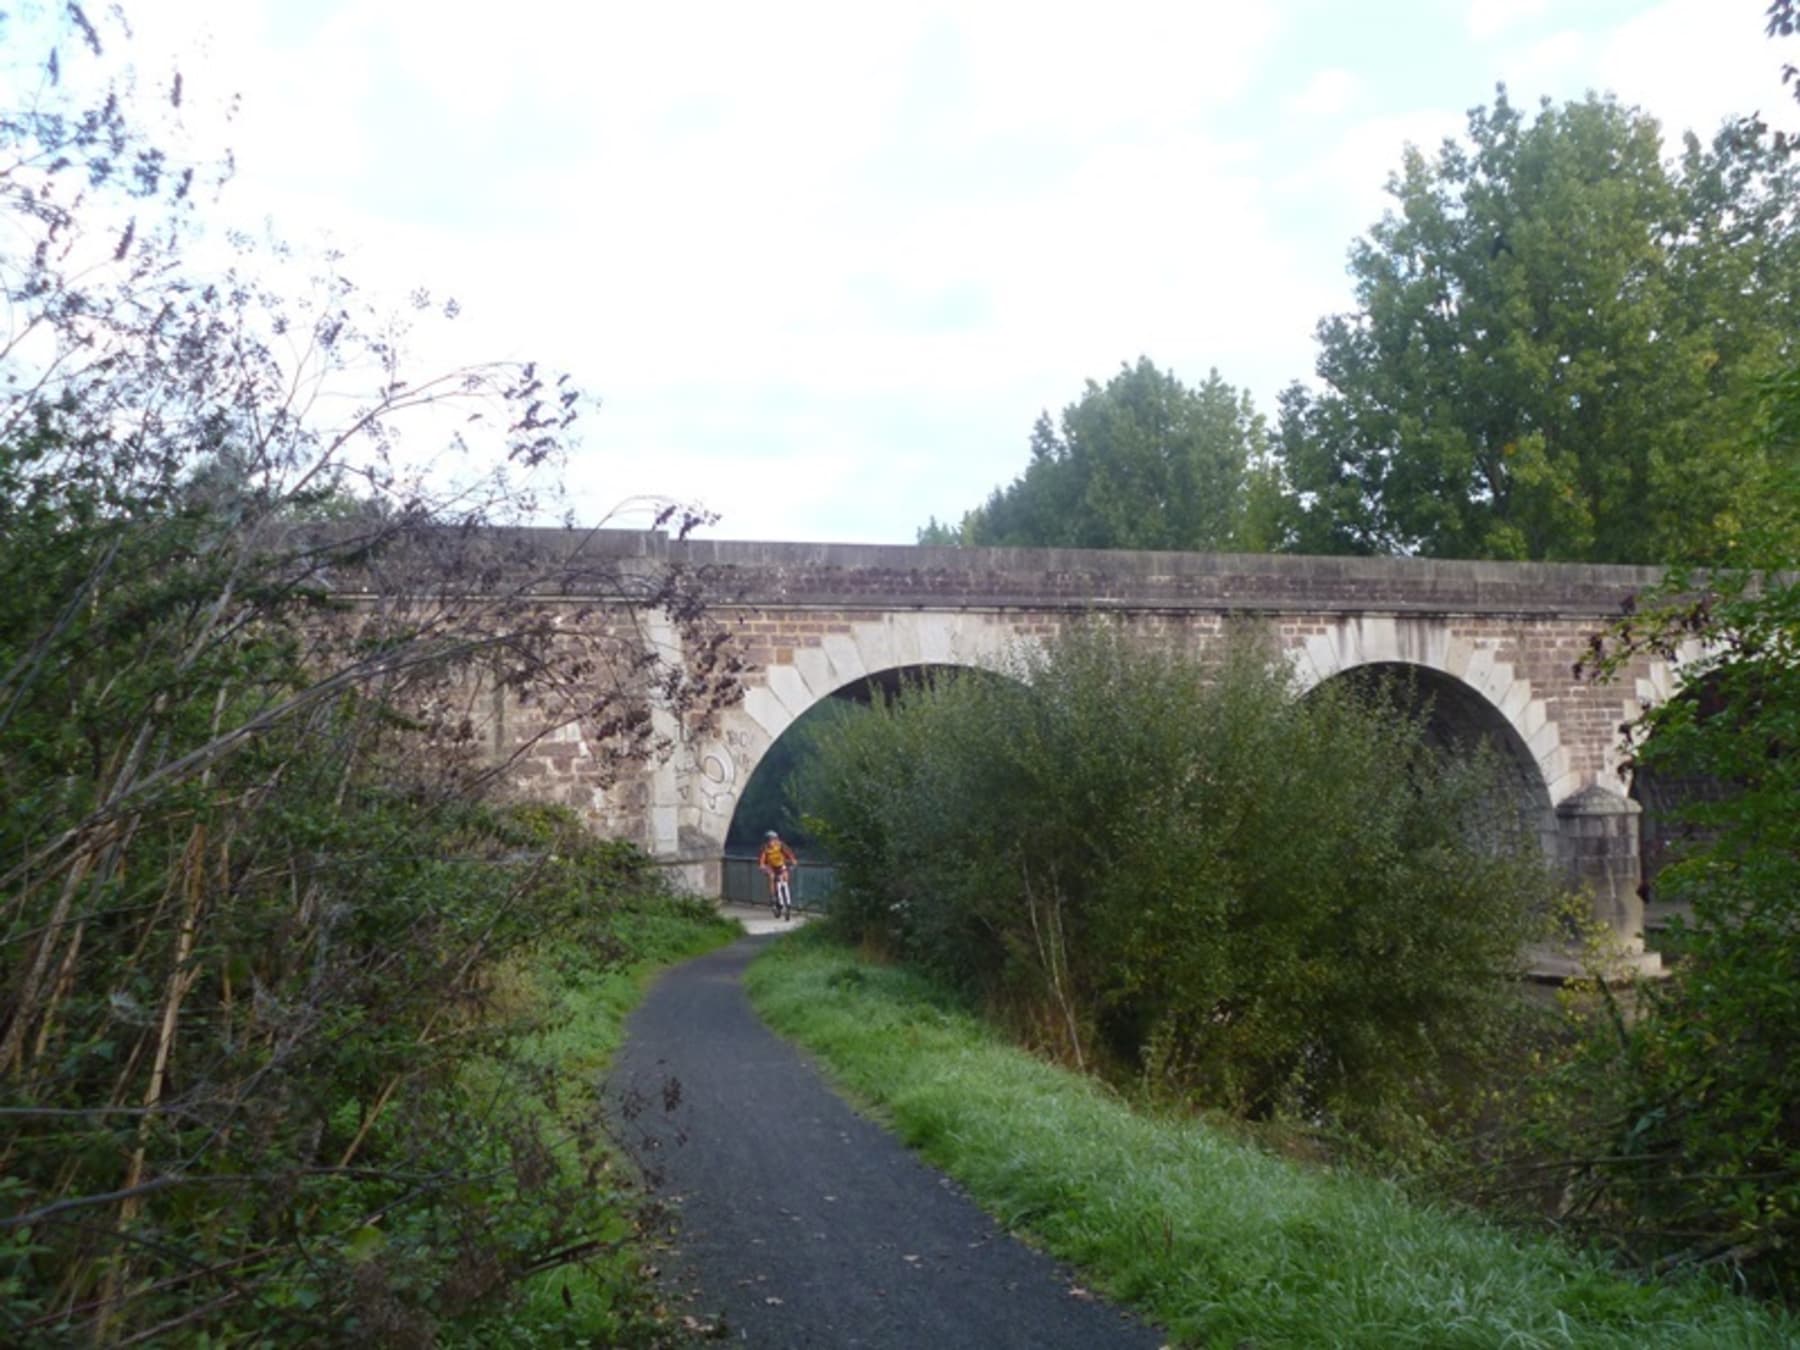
(917, 577)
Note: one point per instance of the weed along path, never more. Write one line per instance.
(801, 1224)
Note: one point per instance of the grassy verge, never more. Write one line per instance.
(1217, 1242)
(569, 1001)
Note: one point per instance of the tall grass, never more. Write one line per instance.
(1218, 1242)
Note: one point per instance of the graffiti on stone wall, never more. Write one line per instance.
(720, 766)
(716, 783)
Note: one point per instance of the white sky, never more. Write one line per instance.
(824, 263)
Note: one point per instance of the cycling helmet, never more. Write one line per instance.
(771, 835)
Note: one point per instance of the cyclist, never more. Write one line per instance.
(777, 861)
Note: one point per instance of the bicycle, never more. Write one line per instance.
(781, 896)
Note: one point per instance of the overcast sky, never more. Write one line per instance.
(823, 264)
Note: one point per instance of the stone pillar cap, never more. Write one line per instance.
(1594, 800)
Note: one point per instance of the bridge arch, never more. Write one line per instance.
(1457, 718)
(1388, 641)
(877, 649)
(1586, 825)
(759, 795)
(1475, 694)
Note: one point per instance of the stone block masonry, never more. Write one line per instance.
(1502, 640)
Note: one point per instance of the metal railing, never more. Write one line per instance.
(742, 883)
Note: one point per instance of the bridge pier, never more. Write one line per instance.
(1599, 852)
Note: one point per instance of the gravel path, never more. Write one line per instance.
(802, 1224)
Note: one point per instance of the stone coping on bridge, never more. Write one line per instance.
(905, 576)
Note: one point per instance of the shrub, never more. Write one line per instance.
(253, 910)
(1689, 1149)
(1256, 901)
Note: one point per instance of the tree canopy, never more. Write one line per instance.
(1557, 346)
(1144, 461)
(1557, 351)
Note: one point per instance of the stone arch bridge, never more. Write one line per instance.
(1494, 644)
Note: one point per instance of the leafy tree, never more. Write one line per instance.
(1677, 1130)
(1783, 21)
(1141, 462)
(1557, 346)
(1696, 1128)
(936, 534)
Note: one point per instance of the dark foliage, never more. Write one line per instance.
(253, 905)
(1256, 903)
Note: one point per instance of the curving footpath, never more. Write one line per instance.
(799, 1222)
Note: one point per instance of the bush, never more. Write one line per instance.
(248, 1113)
(253, 908)
(1254, 901)
(1688, 1151)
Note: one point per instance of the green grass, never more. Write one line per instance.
(1213, 1240)
(571, 1002)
